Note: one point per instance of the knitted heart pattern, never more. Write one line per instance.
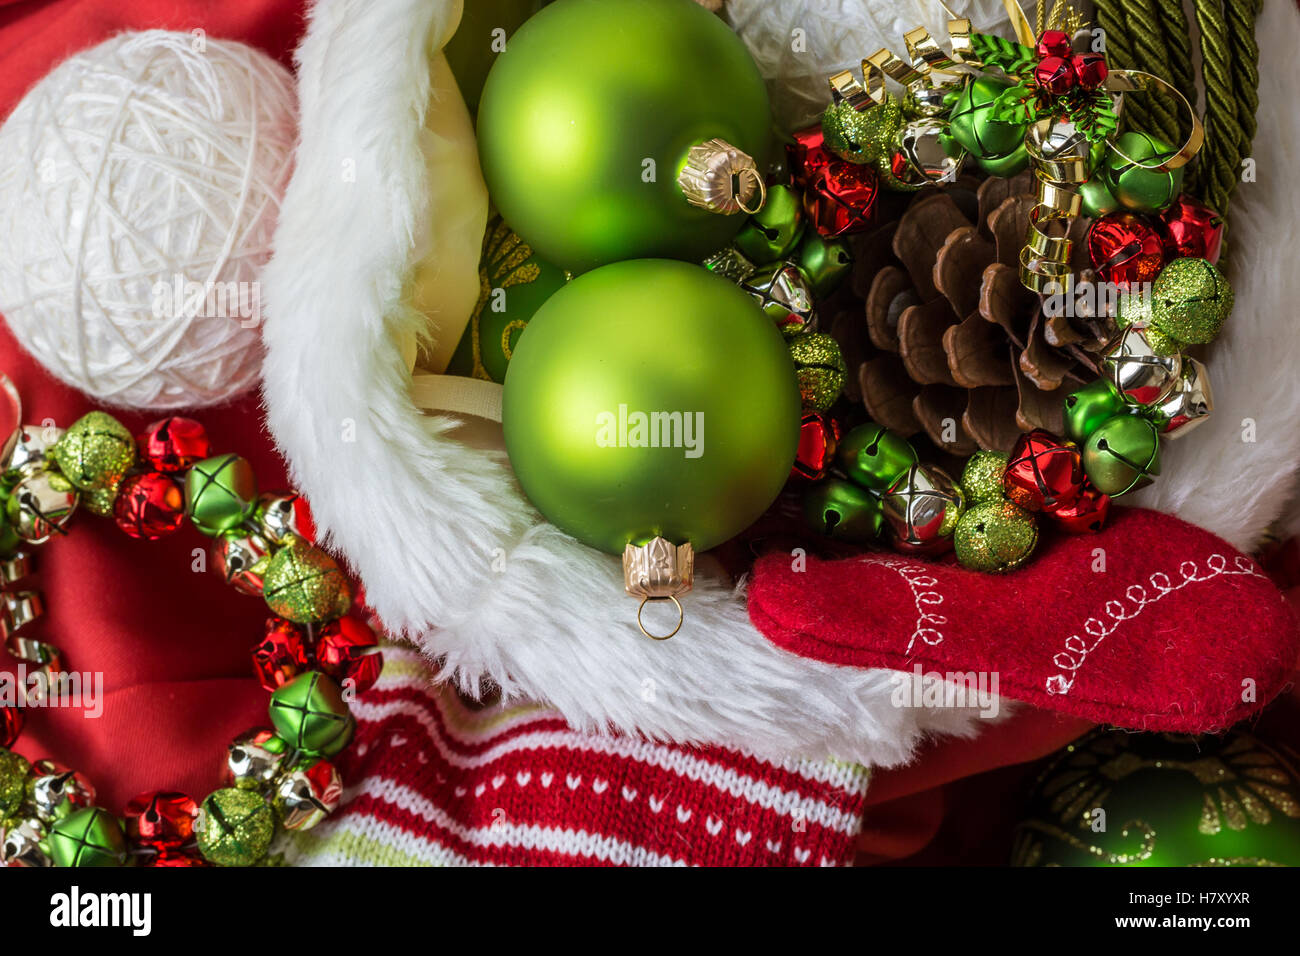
(1152, 624)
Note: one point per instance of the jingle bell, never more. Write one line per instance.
(1139, 374)
(782, 292)
(840, 509)
(922, 508)
(308, 795)
(1122, 455)
(1189, 404)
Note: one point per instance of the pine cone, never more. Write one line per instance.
(947, 334)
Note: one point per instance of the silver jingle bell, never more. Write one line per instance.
(784, 295)
(1142, 376)
(925, 101)
(40, 505)
(32, 446)
(241, 559)
(1189, 404)
(308, 795)
(54, 791)
(23, 845)
(277, 515)
(920, 143)
(254, 760)
(1057, 139)
(922, 508)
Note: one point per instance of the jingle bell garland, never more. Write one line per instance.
(48, 813)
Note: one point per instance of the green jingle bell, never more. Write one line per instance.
(841, 509)
(862, 136)
(1096, 197)
(13, 784)
(1122, 455)
(95, 452)
(823, 262)
(234, 827)
(1190, 301)
(1137, 188)
(310, 714)
(1087, 408)
(784, 295)
(305, 585)
(875, 457)
(922, 509)
(819, 368)
(1004, 167)
(995, 536)
(87, 837)
(972, 124)
(981, 478)
(773, 231)
(220, 493)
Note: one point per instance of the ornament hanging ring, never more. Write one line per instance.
(752, 172)
(681, 616)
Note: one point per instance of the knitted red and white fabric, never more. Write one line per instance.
(432, 782)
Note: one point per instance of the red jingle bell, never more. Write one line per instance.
(12, 720)
(163, 820)
(1090, 69)
(149, 506)
(1053, 43)
(1193, 230)
(177, 859)
(174, 444)
(807, 156)
(1055, 74)
(842, 198)
(1086, 514)
(1045, 472)
(281, 655)
(346, 649)
(819, 434)
(1126, 249)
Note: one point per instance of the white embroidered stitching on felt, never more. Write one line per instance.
(1077, 650)
(918, 579)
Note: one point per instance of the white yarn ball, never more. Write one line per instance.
(152, 163)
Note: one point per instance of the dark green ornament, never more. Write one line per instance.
(1097, 198)
(1004, 167)
(1136, 188)
(1086, 409)
(234, 827)
(981, 478)
(995, 536)
(305, 585)
(823, 262)
(841, 509)
(1190, 301)
(875, 457)
(862, 136)
(13, 783)
(95, 452)
(972, 123)
(87, 837)
(310, 713)
(820, 369)
(220, 493)
(772, 231)
(1122, 455)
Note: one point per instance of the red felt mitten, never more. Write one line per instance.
(1153, 624)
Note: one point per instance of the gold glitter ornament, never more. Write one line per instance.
(305, 585)
(981, 479)
(820, 369)
(1190, 301)
(995, 536)
(234, 827)
(95, 452)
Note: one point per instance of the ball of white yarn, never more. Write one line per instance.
(149, 165)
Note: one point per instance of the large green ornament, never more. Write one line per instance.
(981, 477)
(843, 510)
(1122, 799)
(95, 452)
(819, 366)
(13, 783)
(1086, 409)
(220, 493)
(1136, 188)
(772, 231)
(651, 398)
(1190, 301)
(874, 457)
(310, 713)
(234, 827)
(862, 136)
(305, 585)
(823, 262)
(971, 121)
(87, 837)
(587, 119)
(513, 283)
(1122, 455)
(995, 536)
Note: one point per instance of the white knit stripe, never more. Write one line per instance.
(776, 799)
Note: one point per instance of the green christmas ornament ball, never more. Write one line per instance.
(1122, 455)
(981, 478)
(234, 827)
(1135, 187)
(1190, 301)
(651, 398)
(874, 457)
(995, 536)
(841, 509)
(87, 837)
(586, 121)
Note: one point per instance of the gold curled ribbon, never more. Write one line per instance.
(1133, 81)
(925, 57)
(18, 609)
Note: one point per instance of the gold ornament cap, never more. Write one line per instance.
(658, 571)
(722, 179)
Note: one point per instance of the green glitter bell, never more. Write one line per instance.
(95, 452)
(772, 231)
(87, 837)
(820, 369)
(234, 827)
(1190, 301)
(305, 585)
(995, 536)
(1087, 408)
(874, 457)
(1122, 455)
(13, 783)
(1137, 188)
(981, 478)
(823, 262)
(862, 136)
(220, 493)
(840, 509)
(310, 713)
